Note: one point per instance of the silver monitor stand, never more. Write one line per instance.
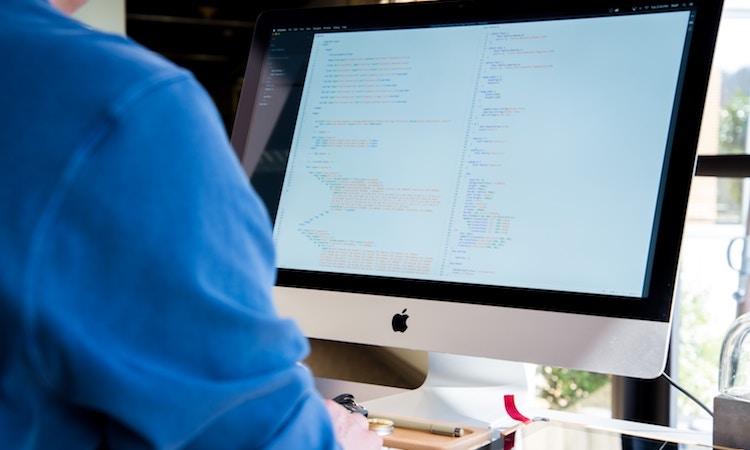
(462, 389)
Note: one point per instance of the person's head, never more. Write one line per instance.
(68, 6)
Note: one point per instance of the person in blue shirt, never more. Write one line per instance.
(136, 263)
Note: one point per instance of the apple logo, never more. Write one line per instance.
(399, 321)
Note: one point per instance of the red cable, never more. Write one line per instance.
(512, 410)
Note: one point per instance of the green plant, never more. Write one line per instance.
(733, 125)
(732, 140)
(562, 388)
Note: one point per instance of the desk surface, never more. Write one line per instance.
(565, 436)
(364, 392)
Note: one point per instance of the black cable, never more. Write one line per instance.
(687, 394)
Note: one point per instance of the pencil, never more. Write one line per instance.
(434, 428)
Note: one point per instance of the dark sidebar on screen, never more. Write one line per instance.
(277, 101)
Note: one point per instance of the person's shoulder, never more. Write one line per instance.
(111, 65)
(67, 82)
(66, 86)
(84, 68)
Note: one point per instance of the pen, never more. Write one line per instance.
(434, 428)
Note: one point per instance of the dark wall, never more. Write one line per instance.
(211, 38)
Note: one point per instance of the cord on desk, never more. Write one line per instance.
(687, 394)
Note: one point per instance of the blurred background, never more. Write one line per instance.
(212, 38)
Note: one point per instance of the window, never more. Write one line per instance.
(717, 213)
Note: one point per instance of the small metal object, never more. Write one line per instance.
(381, 427)
(347, 401)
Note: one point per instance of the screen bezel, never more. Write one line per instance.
(657, 304)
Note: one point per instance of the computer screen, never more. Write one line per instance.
(520, 156)
(526, 154)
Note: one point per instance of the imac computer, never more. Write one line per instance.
(504, 180)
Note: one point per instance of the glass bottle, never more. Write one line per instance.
(734, 366)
